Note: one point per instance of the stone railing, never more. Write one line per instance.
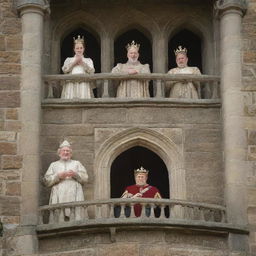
(106, 83)
(127, 209)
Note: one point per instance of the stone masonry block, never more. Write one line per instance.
(7, 136)
(11, 26)
(13, 188)
(252, 197)
(2, 43)
(11, 206)
(8, 148)
(251, 137)
(10, 68)
(109, 115)
(11, 162)
(9, 57)
(12, 114)
(62, 116)
(13, 42)
(118, 249)
(9, 99)
(13, 125)
(204, 140)
(9, 83)
(252, 153)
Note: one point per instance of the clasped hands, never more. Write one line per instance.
(137, 195)
(67, 174)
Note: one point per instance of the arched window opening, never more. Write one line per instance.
(189, 40)
(122, 168)
(120, 52)
(92, 47)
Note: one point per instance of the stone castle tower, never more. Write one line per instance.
(201, 153)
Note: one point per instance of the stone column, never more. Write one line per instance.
(234, 135)
(31, 12)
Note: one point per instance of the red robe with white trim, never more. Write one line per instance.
(146, 191)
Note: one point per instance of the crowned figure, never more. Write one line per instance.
(140, 190)
(66, 177)
(132, 88)
(78, 65)
(183, 89)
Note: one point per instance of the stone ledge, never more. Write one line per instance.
(98, 225)
(114, 102)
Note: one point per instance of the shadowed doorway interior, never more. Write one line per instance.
(122, 170)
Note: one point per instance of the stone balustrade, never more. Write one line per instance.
(207, 85)
(114, 209)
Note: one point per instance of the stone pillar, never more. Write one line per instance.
(160, 53)
(234, 135)
(107, 53)
(31, 12)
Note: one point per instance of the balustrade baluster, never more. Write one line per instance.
(111, 211)
(98, 211)
(40, 217)
(150, 208)
(51, 216)
(143, 210)
(72, 214)
(211, 215)
(122, 212)
(61, 215)
(162, 214)
(132, 211)
(223, 216)
(201, 214)
(159, 90)
(215, 89)
(105, 93)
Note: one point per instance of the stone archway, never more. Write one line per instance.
(157, 140)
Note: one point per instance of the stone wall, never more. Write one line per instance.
(200, 141)
(137, 243)
(10, 126)
(249, 80)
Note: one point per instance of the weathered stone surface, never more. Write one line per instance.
(9, 83)
(11, 114)
(11, 206)
(9, 99)
(7, 136)
(11, 162)
(118, 249)
(205, 140)
(106, 116)
(83, 252)
(153, 250)
(62, 116)
(252, 196)
(252, 216)
(252, 153)
(13, 42)
(10, 68)
(249, 56)
(9, 57)
(67, 130)
(8, 148)
(251, 137)
(11, 26)
(2, 43)
(13, 189)
(13, 126)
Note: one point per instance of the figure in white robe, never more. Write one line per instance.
(78, 65)
(132, 88)
(66, 177)
(181, 89)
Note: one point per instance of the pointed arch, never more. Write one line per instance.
(160, 144)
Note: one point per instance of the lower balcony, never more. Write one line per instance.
(124, 213)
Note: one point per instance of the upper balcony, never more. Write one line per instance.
(207, 86)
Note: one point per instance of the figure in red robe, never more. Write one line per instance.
(141, 190)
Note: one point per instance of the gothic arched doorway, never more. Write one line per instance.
(92, 47)
(123, 166)
(189, 40)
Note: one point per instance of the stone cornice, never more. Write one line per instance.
(35, 5)
(231, 5)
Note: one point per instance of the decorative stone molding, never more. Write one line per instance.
(168, 147)
(42, 5)
(227, 5)
(250, 103)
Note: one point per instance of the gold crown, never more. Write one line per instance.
(132, 44)
(78, 40)
(180, 50)
(140, 170)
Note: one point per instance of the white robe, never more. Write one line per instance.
(78, 90)
(69, 189)
(184, 90)
(132, 88)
